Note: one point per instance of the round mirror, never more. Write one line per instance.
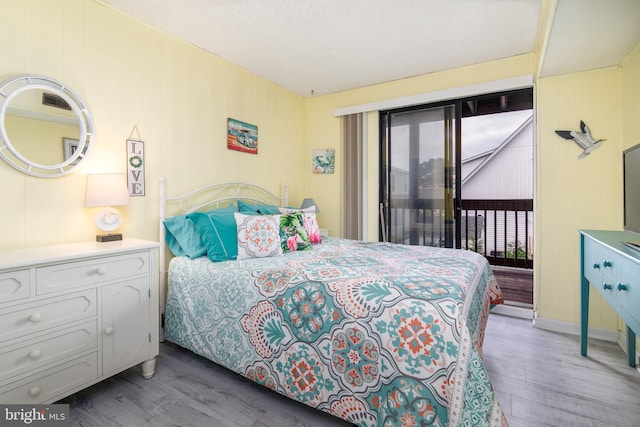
(46, 129)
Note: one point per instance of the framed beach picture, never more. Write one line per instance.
(324, 160)
(242, 136)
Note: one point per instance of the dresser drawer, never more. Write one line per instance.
(53, 383)
(81, 273)
(23, 319)
(63, 343)
(14, 285)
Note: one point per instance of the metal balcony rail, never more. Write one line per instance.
(501, 230)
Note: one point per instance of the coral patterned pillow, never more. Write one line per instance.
(258, 236)
(293, 235)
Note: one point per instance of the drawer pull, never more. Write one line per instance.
(596, 266)
(622, 287)
(606, 286)
(108, 331)
(101, 271)
(35, 317)
(606, 263)
(34, 354)
(34, 391)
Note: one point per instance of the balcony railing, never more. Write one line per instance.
(501, 230)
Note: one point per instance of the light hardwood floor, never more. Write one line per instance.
(539, 377)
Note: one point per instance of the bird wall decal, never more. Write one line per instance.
(583, 139)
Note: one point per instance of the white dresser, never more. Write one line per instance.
(72, 315)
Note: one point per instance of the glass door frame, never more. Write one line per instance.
(480, 104)
(452, 239)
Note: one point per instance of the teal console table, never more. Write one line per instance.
(613, 269)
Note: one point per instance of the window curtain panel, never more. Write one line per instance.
(352, 186)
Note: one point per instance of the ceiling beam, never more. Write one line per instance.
(545, 22)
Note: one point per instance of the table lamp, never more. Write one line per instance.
(309, 202)
(107, 190)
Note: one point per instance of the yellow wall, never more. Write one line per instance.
(591, 195)
(574, 194)
(178, 97)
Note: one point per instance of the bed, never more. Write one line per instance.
(377, 334)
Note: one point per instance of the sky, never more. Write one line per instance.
(483, 133)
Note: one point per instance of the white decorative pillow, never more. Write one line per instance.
(258, 235)
(310, 222)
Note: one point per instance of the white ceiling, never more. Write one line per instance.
(316, 47)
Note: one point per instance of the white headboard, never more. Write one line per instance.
(207, 198)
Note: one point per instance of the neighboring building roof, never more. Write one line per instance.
(489, 155)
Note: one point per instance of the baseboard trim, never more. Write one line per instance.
(513, 311)
(574, 329)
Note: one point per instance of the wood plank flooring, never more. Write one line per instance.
(539, 377)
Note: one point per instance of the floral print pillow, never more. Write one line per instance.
(309, 221)
(293, 236)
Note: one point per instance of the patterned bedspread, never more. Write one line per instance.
(377, 334)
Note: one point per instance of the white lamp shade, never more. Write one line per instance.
(106, 189)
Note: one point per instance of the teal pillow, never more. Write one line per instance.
(261, 208)
(182, 236)
(219, 234)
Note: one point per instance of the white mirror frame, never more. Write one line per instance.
(11, 88)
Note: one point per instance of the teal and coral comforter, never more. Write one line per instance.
(377, 334)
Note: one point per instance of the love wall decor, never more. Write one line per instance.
(135, 167)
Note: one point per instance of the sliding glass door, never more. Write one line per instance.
(447, 167)
(418, 176)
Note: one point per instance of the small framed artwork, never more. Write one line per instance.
(324, 160)
(69, 147)
(242, 136)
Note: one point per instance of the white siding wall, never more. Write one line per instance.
(508, 175)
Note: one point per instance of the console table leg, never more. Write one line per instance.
(584, 316)
(631, 347)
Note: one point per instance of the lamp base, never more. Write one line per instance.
(111, 237)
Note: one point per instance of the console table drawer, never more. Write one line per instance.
(24, 319)
(14, 285)
(627, 291)
(47, 349)
(52, 383)
(82, 273)
(592, 262)
(599, 270)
